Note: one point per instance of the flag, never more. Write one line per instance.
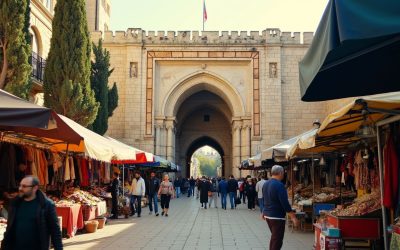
(204, 11)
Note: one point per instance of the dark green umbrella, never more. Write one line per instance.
(355, 51)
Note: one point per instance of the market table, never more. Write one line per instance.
(89, 212)
(72, 218)
(101, 208)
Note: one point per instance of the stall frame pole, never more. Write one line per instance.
(378, 136)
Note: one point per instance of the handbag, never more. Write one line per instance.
(209, 193)
(238, 201)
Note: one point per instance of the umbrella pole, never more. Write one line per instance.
(385, 239)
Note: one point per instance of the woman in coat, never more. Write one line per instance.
(205, 186)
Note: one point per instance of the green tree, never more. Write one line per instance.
(67, 74)
(14, 49)
(208, 163)
(108, 98)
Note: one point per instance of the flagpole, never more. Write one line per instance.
(203, 13)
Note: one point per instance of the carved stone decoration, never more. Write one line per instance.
(133, 69)
(273, 70)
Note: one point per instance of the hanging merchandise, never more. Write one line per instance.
(391, 166)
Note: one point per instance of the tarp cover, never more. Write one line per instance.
(355, 51)
(16, 112)
(338, 128)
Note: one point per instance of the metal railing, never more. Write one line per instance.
(38, 65)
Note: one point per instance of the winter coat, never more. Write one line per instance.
(205, 186)
(47, 220)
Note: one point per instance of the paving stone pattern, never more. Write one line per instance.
(189, 227)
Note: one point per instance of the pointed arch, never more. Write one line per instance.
(199, 81)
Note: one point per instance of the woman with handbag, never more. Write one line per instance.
(166, 191)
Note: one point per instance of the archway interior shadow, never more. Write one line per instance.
(200, 142)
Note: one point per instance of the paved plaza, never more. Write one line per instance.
(189, 227)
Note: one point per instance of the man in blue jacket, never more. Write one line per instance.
(276, 205)
(223, 190)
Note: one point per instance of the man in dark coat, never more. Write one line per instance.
(114, 196)
(154, 186)
(32, 220)
(204, 186)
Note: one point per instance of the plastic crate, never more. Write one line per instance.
(317, 207)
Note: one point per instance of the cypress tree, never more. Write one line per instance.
(99, 82)
(14, 48)
(67, 74)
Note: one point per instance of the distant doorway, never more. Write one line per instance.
(206, 161)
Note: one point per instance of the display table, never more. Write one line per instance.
(101, 208)
(72, 218)
(356, 227)
(89, 212)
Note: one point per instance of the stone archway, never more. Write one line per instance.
(200, 142)
(183, 118)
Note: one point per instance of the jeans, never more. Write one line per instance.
(223, 200)
(178, 191)
(213, 198)
(232, 196)
(191, 191)
(261, 204)
(153, 198)
(134, 199)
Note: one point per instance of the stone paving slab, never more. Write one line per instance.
(189, 227)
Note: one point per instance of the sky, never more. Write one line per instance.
(222, 15)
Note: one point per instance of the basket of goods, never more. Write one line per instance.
(102, 222)
(91, 226)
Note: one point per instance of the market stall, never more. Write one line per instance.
(350, 132)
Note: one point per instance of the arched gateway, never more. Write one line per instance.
(201, 109)
(237, 92)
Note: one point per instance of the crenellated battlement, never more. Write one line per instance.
(268, 36)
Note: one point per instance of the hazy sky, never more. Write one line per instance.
(223, 15)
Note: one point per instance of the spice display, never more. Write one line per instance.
(364, 205)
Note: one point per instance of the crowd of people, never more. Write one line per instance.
(269, 195)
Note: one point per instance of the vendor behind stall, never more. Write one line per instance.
(114, 194)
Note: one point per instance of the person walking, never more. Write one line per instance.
(154, 186)
(166, 192)
(223, 191)
(177, 185)
(205, 187)
(214, 193)
(114, 196)
(242, 193)
(251, 194)
(198, 181)
(276, 206)
(138, 190)
(232, 190)
(259, 187)
(192, 183)
(32, 220)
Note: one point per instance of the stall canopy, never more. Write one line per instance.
(122, 152)
(16, 112)
(25, 122)
(339, 129)
(140, 156)
(355, 51)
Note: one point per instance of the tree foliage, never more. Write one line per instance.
(67, 74)
(107, 98)
(14, 48)
(208, 163)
